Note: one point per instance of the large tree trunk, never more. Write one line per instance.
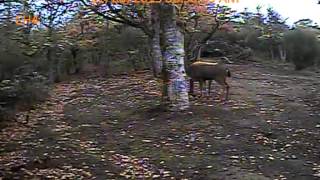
(154, 41)
(174, 70)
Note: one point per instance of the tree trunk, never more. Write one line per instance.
(54, 67)
(107, 25)
(271, 53)
(58, 77)
(155, 40)
(282, 53)
(51, 75)
(174, 70)
(133, 59)
(106, 63)
(52, 61)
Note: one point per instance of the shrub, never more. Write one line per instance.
(32, 87)
(302, 48)
(8, 63)
(23, 89)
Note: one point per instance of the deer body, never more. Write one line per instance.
(203, 71)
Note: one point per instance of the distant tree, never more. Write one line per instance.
(273, 32)
(269, 29)
(303, 48)
(201, 22)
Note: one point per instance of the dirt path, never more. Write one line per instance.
(97, 128)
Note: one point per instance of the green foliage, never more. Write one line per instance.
(20, 82)
(9, 63)
(246, 35)
(263, 33)
(302, 48)
(128, 39)
(123, 49)
(305, 23)
(23, 89)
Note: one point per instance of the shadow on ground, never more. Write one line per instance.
(99, 128)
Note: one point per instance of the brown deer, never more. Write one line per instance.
(203, 70)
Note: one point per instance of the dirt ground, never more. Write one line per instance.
(113, 128)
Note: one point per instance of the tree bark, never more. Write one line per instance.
(271, 53)
(54, 66)
(51, 74)
(174, 70)
(282, 53)
(155, 40)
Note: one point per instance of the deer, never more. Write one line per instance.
(201, 70)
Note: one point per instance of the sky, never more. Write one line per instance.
(292, 9)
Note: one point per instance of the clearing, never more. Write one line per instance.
(113, 128)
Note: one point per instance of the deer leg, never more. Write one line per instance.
(209, 86)
(222, 93)
(201, 86)
(191, 86)
(227, 89)
(224, 85)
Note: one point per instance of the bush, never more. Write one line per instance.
(23, 89)
(302, 48)
(246, 36)
(9, 63)
(32, 87)
(20, 83)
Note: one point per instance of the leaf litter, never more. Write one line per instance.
(91, 120)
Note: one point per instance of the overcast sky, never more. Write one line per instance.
(293, 9)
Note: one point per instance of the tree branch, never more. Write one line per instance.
(122, 19)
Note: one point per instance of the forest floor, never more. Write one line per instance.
(113, 128)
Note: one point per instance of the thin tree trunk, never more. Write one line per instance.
(133, 59)
(51, 75)
(271, 53)
(155, 40)
(106, 62)
(107, 24)
(282, 53)
(54, 69)
(58, 70)
(175, 83)
(52, 65)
